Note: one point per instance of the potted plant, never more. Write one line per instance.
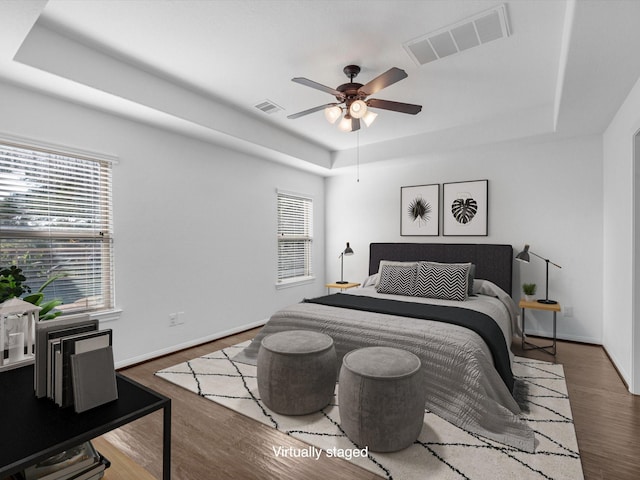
(529, 290)
(11, 285)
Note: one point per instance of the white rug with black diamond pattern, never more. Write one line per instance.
(442, 451)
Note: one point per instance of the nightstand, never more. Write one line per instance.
(533, 305)
(341, 286)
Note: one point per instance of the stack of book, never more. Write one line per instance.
(80, 463)
(74, 363)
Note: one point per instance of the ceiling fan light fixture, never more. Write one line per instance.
(353, 99)
(369, 118)
(345, 124)
(332, 113)
(358, 109)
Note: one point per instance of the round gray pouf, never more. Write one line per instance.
(297, 371)
(381, 398)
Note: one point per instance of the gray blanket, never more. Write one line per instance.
(463, 385)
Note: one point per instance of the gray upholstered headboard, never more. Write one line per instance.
(493, 262)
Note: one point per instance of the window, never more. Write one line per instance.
(56, 221)
(295, 238)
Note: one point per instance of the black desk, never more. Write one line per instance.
(33, 429)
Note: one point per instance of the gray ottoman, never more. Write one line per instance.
(297, 371)
(381, 397)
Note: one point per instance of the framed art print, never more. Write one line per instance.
(419, 210)
(465, 210)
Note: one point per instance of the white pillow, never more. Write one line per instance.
(371, 280)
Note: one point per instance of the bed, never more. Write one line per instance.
(463, 343)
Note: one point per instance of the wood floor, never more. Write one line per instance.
(124, 468)
(212, 442)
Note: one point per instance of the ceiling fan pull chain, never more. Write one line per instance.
(358, 156)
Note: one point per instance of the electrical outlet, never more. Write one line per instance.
(176, 319)
(568, 311)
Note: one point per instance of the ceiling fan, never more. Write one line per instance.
(352, 98)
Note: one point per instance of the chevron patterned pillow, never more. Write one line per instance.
(397, 279)
(393, 262)
(448, 281)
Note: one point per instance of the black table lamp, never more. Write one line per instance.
(523, 256)
(347, 251)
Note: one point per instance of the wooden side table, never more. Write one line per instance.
(341, 286)
(533, 305)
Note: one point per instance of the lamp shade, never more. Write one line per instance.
(523, 256)
(348, 250)
(358, 109)
(332, 113)
(369, 118)
(345, 123)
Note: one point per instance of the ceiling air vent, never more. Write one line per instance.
(268, 107)
(471, 32)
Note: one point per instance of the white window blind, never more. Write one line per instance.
(295, 237)
(56, 219)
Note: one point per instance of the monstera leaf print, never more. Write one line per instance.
(464, 209)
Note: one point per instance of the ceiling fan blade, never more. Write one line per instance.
(394, 106)
(311, 110)
(317, 86)
(389, 77)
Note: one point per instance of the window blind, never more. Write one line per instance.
(56, 221)
(295, 237)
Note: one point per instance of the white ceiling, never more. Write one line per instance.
(199, 67)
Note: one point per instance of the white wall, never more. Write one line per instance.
(195, 224)
(546, 194)
(620, 294)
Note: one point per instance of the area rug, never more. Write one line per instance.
(443, 451)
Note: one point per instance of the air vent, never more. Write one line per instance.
(268, 107)
(471, 32)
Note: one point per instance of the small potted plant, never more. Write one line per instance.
(529, 290)
(11, 285)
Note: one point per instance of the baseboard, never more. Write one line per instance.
(619, 371)
(182, 346)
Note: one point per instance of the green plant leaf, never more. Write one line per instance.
(11, 283)
(52, 279)
(34, 298)
(48, 306)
